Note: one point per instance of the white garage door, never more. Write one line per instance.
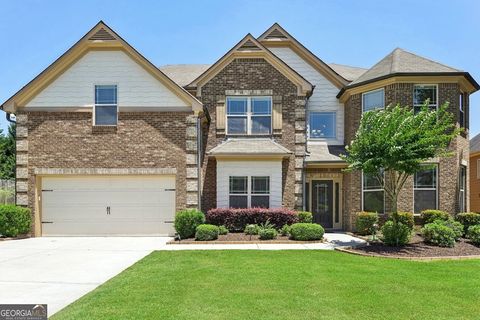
(108, 205)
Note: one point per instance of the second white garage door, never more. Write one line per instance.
(108, 205)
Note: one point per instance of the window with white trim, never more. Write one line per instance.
(425, 189)
(106, 108)
(323, 125)
(461, 110)
(478, 168)
(422, 93)
(373, 193)
(461, 189)
(249, 115)
(247, 192)
(373, 100)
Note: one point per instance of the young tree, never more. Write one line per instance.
(396, 141)
(7, 153)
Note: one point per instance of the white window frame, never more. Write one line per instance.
(478, 168)
(249, 115)
(372, 190)
(425, 85)
(427, 189)
(373, 91)
(464, 190)
(249, 193)
(94, 120)
(312, 113)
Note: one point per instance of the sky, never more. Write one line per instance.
(359, 33)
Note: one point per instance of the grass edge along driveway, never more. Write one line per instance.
(283, 285)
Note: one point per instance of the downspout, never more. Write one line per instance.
(304, 179)
(9, 119)
(199, 164)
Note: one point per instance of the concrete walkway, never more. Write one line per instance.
(58, 271)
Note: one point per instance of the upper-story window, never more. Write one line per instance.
(323, 124)
(249, 115)
(461, 109)
(373, 100)
(422, 93)
(106, 108)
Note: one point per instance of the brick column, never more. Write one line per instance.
(191, 161)
(22, 184)
(300, 148)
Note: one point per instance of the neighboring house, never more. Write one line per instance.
(475, 174)
(109, 144)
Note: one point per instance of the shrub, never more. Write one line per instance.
(14, 220)
(251, 229)
(238, 219)
(468, 219)
(456, 226)
(305, 217)
(267, 233)
(473, 234)
(406, 218)
(222, 230)
(366, 222)
(285, 230)
(306, 231)
(206, 232)
(438, 234)
(428, 216)
(187, 221)
(395, 233)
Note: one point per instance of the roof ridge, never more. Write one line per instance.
(346, 65)
(431, 60)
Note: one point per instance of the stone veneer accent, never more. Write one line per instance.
(251, 76)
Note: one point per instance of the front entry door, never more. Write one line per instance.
(322, 202)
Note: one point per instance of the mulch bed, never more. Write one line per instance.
(20, 237)
(418, 248)
(240, 238)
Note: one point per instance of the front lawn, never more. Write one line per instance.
(283, 285)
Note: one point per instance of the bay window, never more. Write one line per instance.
(422, 93)
(249, 115)
(373, 194)
(246, 192)
(425, 189)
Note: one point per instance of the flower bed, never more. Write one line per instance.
(241, 238)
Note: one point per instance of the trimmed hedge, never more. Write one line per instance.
(468, 219)
(187, 221)
(365, 222)
(14, 220)
(305, 217)
(251, 229)
(438, 234)
(222, 230)
(473, 234)
(285, 230)
(429, 216)
(456, 226)
(396, 234)
(238, 219)
(306, 231)
(206, 232)
(406, 218)
(267, 234)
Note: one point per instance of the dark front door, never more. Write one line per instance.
(322, 202)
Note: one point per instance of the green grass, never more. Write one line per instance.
(283, 285)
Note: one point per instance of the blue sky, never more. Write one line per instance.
(34, 33)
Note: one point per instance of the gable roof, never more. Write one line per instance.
(100, 37)
(249, 47)
(348, 72)
(277, 36)
(475, 144)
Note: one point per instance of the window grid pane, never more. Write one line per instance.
(425, 189)
(260, 185)
(260, 201)
(373, 193)
(373, 100)
(249, 115)
(238, 185)
(106, 94)
(323, 124)
(423, 92)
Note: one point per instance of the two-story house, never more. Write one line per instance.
(109, 144)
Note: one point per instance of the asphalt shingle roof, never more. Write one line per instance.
(322, 152)
(249, 146)
(475, 144)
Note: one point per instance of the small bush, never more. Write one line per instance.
(438, 234)
(305, 217)
(395, 234)
(456, 226)
(251, 229)
(429, 216)
(473, 234)
(222, 230)
(306, 231)
(406, 218)
(468, 219)
(267, 233)
(285, 230)
(206, 232)
(237, 219)
(187, 221)
(366, 222)
(14, 220)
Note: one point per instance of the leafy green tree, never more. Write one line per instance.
(7, 153)
(397, 141)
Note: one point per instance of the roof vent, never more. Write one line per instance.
(248, 45)
(102, 35)
(276, 34)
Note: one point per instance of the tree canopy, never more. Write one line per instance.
(7, 153)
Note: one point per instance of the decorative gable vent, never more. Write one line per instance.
(248, 46)
(102, 35)
(276, 34)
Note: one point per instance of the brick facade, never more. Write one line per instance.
(256, 74)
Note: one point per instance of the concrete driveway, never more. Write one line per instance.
(58, 271)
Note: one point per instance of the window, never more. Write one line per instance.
(478, 168)
(249, 115)
(422, 93)
(245, 193)
(461, 190)
(373, 100)
(373, 194)
(323, 124)
(106, 105)
(461, 110)
(425, 189)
